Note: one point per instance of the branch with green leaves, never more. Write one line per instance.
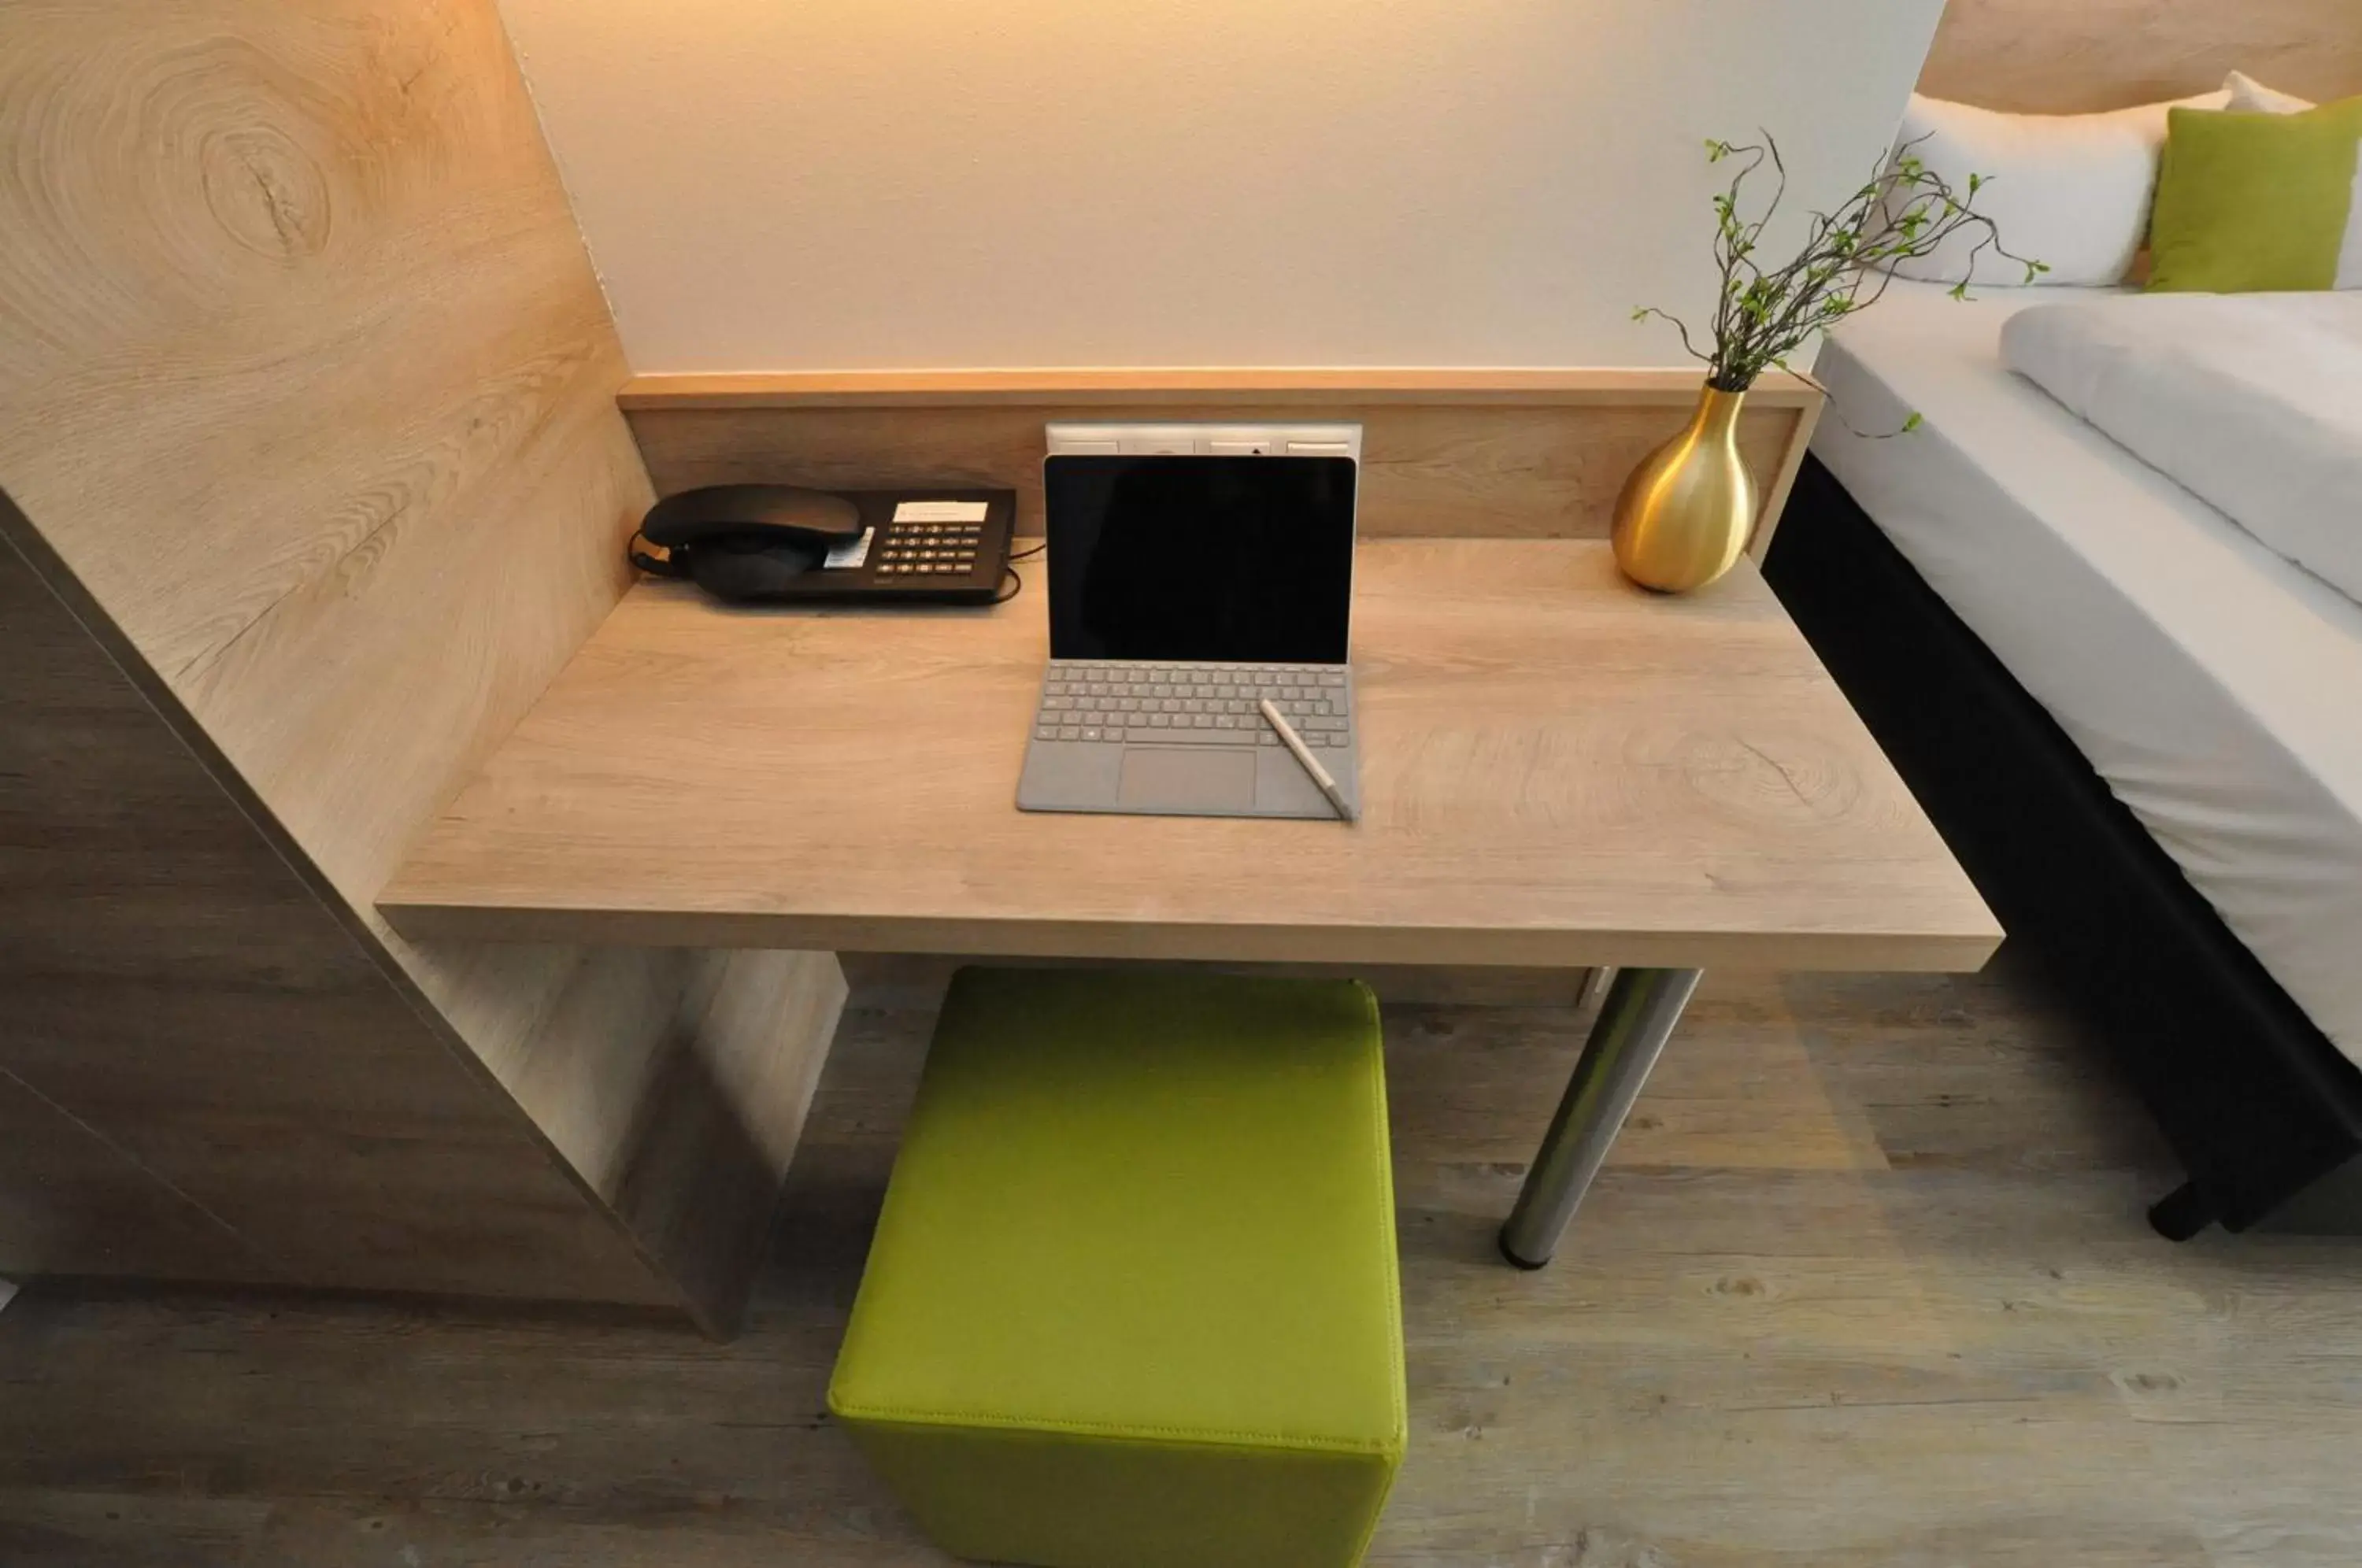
(1763, 314)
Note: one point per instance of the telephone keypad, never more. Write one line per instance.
(928, 550)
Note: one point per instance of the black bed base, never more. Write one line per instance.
(2264, 1113)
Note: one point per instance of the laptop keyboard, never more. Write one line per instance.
(1212, 704)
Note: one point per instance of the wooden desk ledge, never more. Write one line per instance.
(1222, 389)
(1558, 769)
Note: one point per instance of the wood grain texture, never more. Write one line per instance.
(73, 1203)
(1558, 770)
(307, 390)
(304, 376)
(1865, 1285)
(1191, 389)
(720, 1129)
(178, 993)
(2043, 57)
(1532, 453)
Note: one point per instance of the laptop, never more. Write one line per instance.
(1196, 571)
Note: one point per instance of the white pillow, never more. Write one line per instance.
(2070, 191)
(2249, 97)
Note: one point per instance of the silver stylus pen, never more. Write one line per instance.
(1294, 743)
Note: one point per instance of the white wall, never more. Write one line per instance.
(865, 184)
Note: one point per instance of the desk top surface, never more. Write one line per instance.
(1557, 770)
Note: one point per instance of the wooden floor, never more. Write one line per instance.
(1867, 1283)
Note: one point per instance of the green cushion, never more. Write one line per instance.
(2248, 203)
(1132, 1299)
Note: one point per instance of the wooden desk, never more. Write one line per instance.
(1558, 769)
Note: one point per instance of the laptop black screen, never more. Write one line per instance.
(1247, 559)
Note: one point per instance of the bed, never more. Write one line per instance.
(2140, 727)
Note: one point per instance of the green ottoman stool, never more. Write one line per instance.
(1133, 1300)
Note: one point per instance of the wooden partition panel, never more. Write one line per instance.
(1527, 454)
(307, 398)
(72, 1203)
(2058, 57)
(177, 992)
(304, 376)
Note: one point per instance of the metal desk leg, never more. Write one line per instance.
(1634, 1024)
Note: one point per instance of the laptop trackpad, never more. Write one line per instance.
(1205, 779)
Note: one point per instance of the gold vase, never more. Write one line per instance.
(1686, 513)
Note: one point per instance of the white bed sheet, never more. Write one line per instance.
(2252, 402)
(2216, 686)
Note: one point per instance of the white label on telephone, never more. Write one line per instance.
(940, 512)
(851, 553)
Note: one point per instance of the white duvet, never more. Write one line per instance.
(2253, 401)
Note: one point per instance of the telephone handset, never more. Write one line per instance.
(777, 544)
(745, 541)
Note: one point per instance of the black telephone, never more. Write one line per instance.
(776, 544)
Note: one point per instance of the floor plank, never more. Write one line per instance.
(1867, 1283)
